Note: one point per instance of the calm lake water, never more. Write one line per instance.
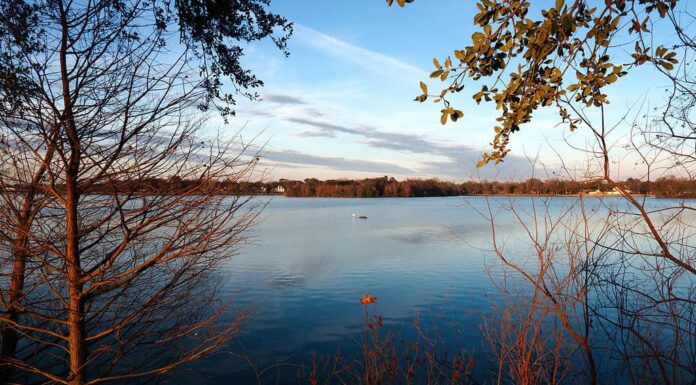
(311, 261)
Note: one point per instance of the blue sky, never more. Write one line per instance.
(341, 106)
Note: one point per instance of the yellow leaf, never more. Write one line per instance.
(424, 87)
(436, 74)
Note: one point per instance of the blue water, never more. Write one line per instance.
(310, 262)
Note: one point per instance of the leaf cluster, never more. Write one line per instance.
(526, 62)
(212, 31)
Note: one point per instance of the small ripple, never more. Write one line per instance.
(286, 280)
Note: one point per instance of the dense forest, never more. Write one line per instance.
(388, 187)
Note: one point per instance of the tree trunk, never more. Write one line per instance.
(76, 320)
(9, 333)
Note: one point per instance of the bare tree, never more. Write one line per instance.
(634, 275)
(542, 333)
(102, 281)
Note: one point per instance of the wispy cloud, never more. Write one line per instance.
(459, 159)
(380, 139)
(283, 99)
(336, 163)
(373, 61)
(324, 128)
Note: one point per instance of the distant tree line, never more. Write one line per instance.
(388, 187)
(371, 188)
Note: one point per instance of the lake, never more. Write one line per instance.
(311, 261)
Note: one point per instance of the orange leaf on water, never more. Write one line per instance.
(368, 299)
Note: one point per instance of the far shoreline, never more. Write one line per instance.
(483, 195)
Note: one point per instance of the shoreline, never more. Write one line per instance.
(487, 195)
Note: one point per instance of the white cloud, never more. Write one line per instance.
(373, 61)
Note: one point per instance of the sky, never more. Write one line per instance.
(341, 105)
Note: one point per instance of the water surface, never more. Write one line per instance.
(311, 261)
